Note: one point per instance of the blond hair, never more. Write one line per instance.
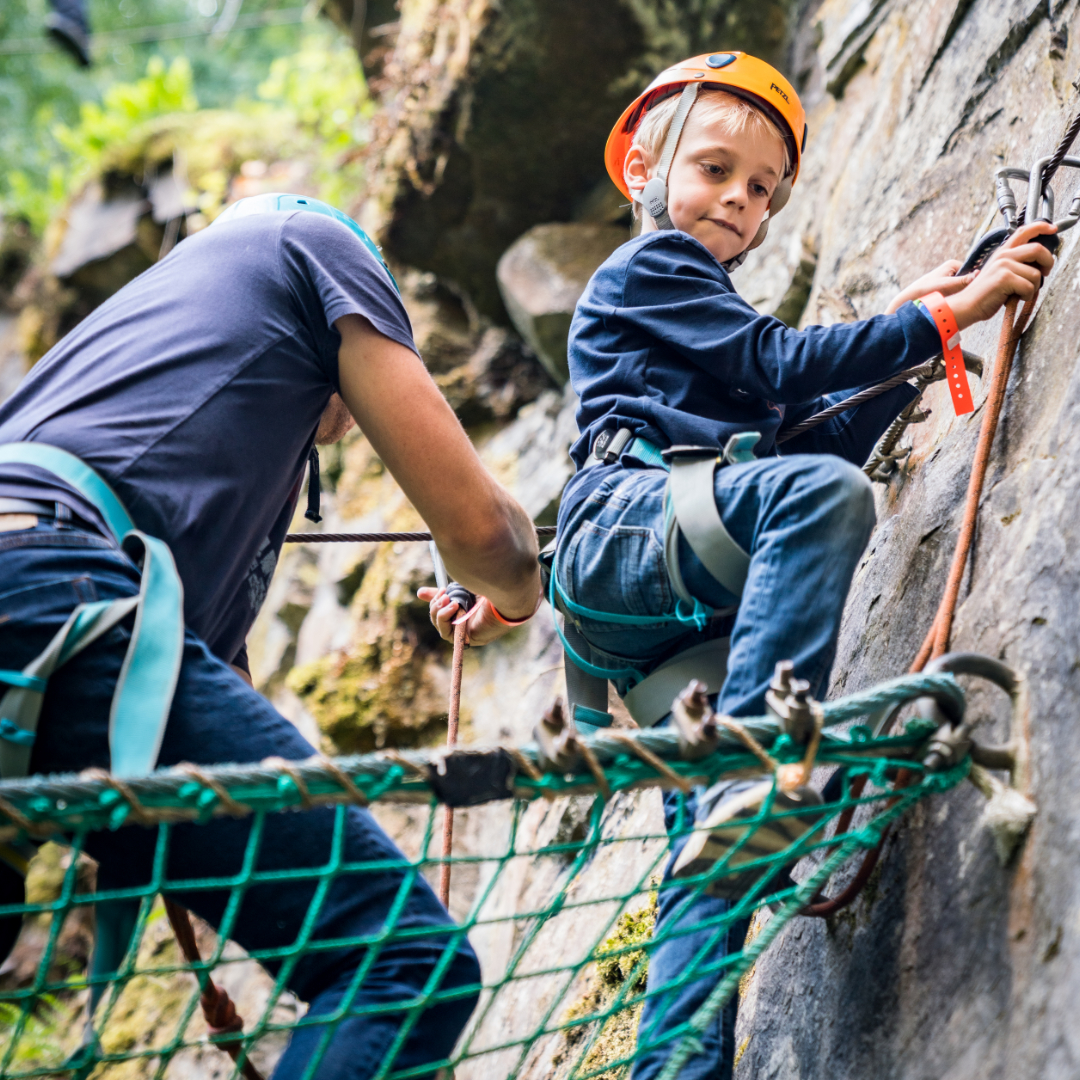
(733, 115)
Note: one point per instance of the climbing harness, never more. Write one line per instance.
(736, 73)
(690, 512)
(140, 705)
(144, 688)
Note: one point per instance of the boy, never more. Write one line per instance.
(663, 352)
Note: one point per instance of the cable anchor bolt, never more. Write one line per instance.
(789, 700)
(695, 722)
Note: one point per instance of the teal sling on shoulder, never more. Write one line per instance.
(144, 690)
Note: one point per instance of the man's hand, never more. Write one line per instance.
(481, 625)
(942, 279)
(1015, 269)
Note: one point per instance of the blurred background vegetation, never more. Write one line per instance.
(273, 61)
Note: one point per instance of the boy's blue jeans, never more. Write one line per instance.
(805, 521)
(216, 717)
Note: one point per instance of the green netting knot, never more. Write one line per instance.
(784, 746)
(860, 733)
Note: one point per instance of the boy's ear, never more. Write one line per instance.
(635, 173)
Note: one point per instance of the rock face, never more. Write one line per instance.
(541, 276)
(948, 965)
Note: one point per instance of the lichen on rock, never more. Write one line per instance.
(619, 972)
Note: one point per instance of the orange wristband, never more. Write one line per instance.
(513, 622)
(955, 371)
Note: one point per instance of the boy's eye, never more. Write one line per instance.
(760, 189)
(713, 169)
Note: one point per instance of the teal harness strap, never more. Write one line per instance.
(144, 690)
(78, 474)
(20, 709)
(689, 510)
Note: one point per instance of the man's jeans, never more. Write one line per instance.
(216, 717)
(805, 521)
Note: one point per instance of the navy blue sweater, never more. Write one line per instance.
(662, 343)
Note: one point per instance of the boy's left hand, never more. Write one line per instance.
(942, 279)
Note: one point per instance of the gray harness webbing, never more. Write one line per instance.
(691, 503)
(651, 699)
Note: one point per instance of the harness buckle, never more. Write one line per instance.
(688, 453)
(740, 448)
(609, 446)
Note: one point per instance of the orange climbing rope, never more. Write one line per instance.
(937, 638)
(453, 714)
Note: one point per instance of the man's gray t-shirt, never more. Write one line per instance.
(196, 392)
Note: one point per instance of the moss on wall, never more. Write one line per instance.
(613, 967)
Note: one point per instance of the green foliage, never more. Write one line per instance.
(41, 89)
(126, 106)
(50, 1029)
(323, 87)
(80, 147)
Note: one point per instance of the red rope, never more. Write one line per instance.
(218, 1010)
(937, 638)
(451, 741)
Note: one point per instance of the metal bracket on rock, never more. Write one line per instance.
(695, 721)
(1009, 809)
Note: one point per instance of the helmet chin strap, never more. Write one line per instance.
(655, 193)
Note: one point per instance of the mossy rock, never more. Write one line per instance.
(617, 960)
(123, 227)
(380, 695)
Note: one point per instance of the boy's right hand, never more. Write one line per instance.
(1015, 269)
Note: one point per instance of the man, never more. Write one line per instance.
(197, 392)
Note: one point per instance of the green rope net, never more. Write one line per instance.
(564, 951)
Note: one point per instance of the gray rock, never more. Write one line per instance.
(100, 224)
(541, 276)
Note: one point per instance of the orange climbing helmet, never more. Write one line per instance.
(744, 76)
(736, 72)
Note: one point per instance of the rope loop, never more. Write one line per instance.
(228, 803)
(290, 770)
(646, 755)
(130, 799)
(356, 796)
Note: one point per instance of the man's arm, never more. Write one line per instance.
(485, 537)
